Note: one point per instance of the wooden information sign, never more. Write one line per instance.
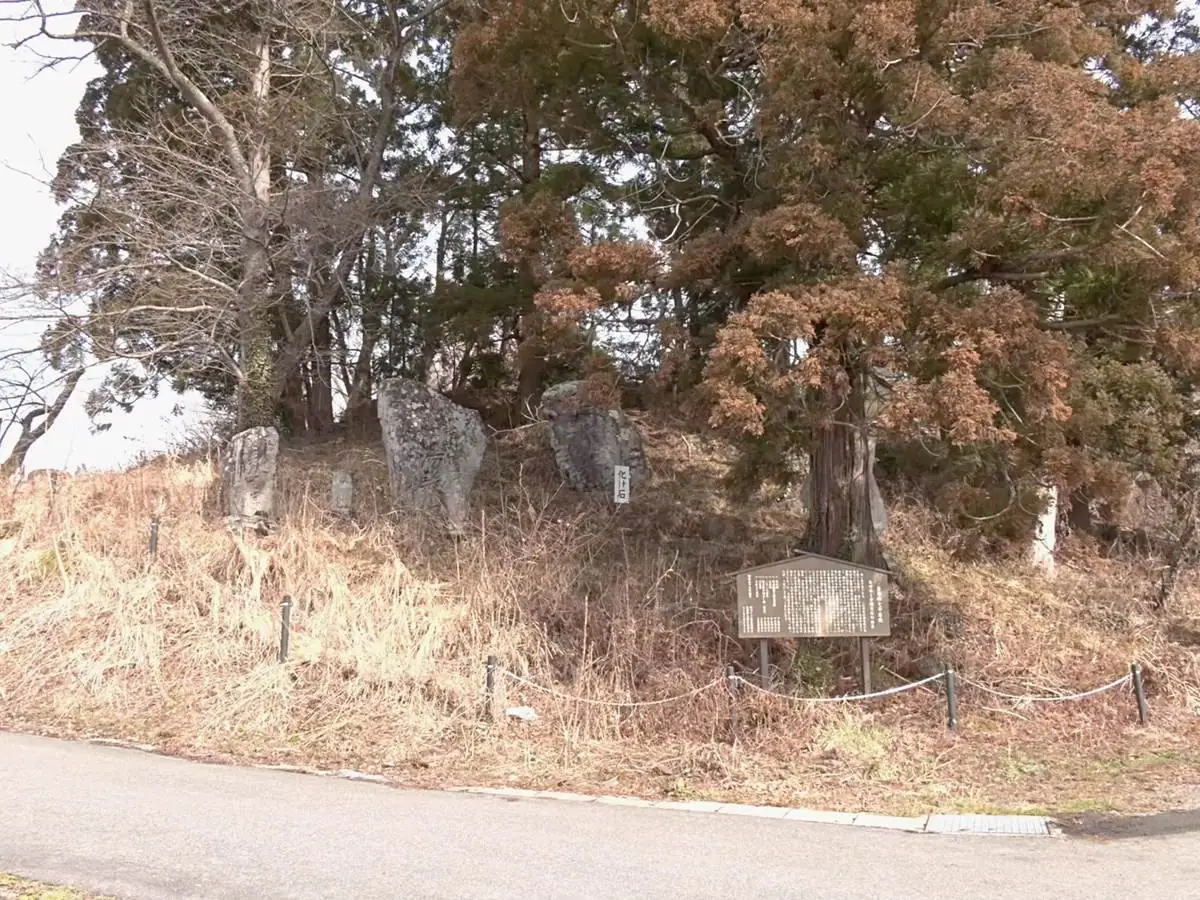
(812, 596)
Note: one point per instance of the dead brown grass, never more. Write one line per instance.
(392, 624)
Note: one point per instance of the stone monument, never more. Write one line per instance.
(589, 442)
(434, 449)
(250, 464)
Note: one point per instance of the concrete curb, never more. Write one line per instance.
(1007, 826)
(935, 823)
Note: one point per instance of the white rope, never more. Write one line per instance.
(1048, 698)
(847, 698)
(616, 703)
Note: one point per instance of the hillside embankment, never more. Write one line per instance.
(392, 623)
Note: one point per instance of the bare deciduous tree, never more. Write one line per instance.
(218, 232)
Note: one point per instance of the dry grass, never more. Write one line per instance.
(392, 624)
(14, 888)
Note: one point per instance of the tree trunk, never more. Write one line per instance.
(291, 354)
(320, 395)
(258, 390)
(840, 522)
(293, 407)
(358, 396)
(531, 352)
(30, 433)
(531, 368)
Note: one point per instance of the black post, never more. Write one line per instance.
(731, 685)
(285, 629)
(489, 683)
(951, 698)
(1139, 691)
(154, 536)
(764, 663)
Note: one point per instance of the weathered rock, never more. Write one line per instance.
(1145, 506)
(434, 449)
(342, 493)
(588, 441)
(250, 465)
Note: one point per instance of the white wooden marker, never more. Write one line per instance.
(620, 484)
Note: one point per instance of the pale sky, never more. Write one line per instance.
(38, 116)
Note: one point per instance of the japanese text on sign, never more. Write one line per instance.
(620, 484)
(812, 597)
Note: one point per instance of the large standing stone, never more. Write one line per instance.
(434, 449)
(250, 465)
(589, 441)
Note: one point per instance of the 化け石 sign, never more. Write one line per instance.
(621, 483)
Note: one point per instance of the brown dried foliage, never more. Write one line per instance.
(975, 154)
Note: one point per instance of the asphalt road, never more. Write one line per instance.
(136, 825)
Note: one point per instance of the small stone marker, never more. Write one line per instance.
(524, 713)
(342, 492)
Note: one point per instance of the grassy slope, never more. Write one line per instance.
(392, 625)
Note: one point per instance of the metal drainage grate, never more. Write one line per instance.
(1020, 825)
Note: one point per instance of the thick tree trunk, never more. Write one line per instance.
(840, 522)
(531, 368)
(320, 394)
(293, 407)
(531, 352)
(258, 390)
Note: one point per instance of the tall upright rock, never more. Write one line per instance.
(590, 441)
(434, 449)
(250, 466)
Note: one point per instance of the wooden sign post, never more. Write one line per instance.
(813, 596)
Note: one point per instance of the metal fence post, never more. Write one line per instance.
(489, 684)
(951, 698)
(1139, 692)
(285, 629)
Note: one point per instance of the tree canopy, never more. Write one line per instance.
(968, 230)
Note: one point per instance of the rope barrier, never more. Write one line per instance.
(1047, 698)
(848, 698)
(662, 701)
(1124, 680)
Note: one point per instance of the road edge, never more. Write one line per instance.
(933, 823)
(970, 824)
